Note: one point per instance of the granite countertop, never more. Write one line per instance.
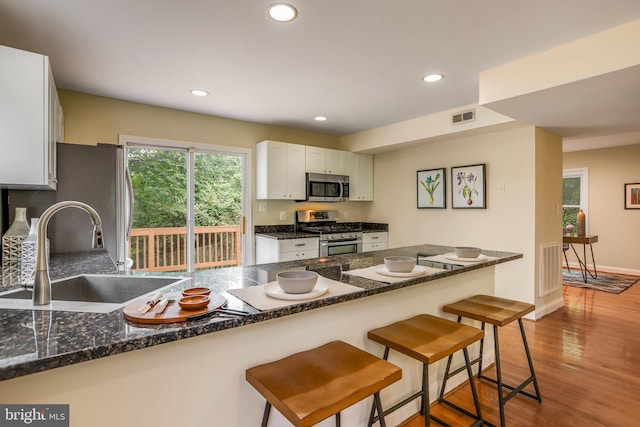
(37, 340)
(287, 235)
(285, 232)
(71, 264)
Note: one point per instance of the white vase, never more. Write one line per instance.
(19, 226)
(12, 247)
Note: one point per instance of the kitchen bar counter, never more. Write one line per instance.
(34, 341)
(85, 336)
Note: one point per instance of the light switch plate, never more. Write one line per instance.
(283, 215)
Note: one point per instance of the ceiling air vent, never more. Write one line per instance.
(463, 117)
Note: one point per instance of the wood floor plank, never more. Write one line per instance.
(587, 360)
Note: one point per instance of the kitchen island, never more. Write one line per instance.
(136, 374)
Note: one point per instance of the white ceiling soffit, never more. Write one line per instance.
(426, 129)
(360, 63)
(598, 142)
(587, 88)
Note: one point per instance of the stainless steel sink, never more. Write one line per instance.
(93, 293)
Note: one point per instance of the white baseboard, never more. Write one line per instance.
(606, 269)
(545, 309)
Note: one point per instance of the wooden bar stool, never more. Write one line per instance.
(497, 312)
(428, 339)
(313, 385)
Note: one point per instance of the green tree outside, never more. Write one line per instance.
(159, 179)
(570, 201)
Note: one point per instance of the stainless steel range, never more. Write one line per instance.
(335, 238)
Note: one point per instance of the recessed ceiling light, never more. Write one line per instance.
(199, 92)
(430, 78)
(320, 118)
(282, 12)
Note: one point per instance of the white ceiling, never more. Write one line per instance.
(358, 62)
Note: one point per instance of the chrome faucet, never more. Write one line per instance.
(42, 281)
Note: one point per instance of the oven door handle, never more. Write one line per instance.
(340, 242)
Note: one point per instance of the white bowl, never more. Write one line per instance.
(297, 281)
(400, 264)
(466, 252)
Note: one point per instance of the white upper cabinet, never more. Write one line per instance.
(30, 121)
(359, 167)
(325, 160)
(280, 171)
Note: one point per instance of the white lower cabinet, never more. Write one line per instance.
(274, 250)
(374, 241)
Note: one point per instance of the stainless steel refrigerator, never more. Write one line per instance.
(90, 174)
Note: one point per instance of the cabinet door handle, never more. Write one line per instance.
(375, 237)
(299, 245)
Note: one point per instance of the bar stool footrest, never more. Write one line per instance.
(459, 409)
(514, 389)
(439, 421)
(398, 405)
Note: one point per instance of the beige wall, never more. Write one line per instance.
(509, 158)
(618, 248)
(93, 119)
(548, 180)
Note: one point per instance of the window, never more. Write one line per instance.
(574, 194)
(191, 202)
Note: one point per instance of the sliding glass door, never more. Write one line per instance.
(187, 209)
(218, 213)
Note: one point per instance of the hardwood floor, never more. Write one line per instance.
(587, 360)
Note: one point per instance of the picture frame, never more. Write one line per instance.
(632, 195)
(468, 187)
(431, 188)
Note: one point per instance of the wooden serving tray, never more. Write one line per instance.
(173, 313)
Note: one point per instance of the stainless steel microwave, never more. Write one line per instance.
(327, 188)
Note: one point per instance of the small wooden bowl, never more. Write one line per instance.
(196, 291)
(194, 302)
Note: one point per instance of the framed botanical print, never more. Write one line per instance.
(431, 189)
(468, 187)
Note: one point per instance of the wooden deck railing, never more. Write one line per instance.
(164, 249)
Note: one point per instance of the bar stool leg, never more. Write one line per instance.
(423, 393)
(474, 392)
(481, 351)
(538, 396)
(378, 404)
(265, 416)
(501, 399)
(468, 363)
(447, 375)
(425, 410)
(338, 419)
